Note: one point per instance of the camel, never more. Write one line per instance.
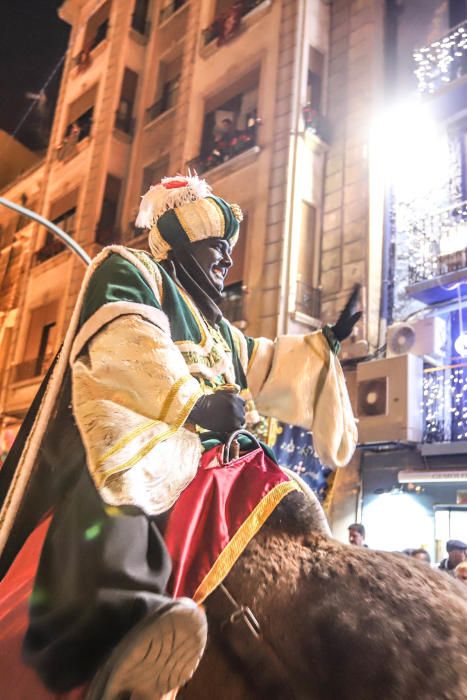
(339, 622)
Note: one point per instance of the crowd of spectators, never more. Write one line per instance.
(455, 564)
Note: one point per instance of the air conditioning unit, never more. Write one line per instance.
(389, 399)
(424, 338)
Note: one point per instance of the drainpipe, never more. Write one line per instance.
(284, 298)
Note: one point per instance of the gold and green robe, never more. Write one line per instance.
(143, 356)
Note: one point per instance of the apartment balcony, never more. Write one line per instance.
(157, 109)
(75, 140)
(229, 24)
(437, 253)
(442, 62)
(316, 124)
(170, 9)
(31, 369)
(227, 150)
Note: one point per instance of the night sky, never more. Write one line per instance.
(32, 40)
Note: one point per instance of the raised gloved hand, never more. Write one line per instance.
(221, 412)
(349, 316)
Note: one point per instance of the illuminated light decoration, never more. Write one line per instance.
(437, 242)
(443, 61)
(445, 403)
(460, 344)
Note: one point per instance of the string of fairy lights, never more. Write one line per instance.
(442, 61)
(445, 403)
(438, 243)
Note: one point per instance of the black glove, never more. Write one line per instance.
(349, 316)
(221, 412)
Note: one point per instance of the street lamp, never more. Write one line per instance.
(55, 230)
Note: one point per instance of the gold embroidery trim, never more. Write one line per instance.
(198, 322)
(184, 224)
(126, 439)
(240, 540)
(220, 214)
(123, 442)
(153, 442)
(171, 395)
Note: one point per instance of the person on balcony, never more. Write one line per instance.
(148, 374)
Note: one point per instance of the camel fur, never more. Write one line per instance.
(348, 623)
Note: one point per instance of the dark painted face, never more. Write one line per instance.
(215, 257)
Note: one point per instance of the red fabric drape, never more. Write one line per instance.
(18, 681)
(220, 511)
(208, 528)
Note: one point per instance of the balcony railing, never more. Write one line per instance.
(438, 243)
(443, 61)
(31, 368)
(308, 300)
(158, 108)
(445, 403)
(316, 123)
(227, 25)
(225, 149)
(169, 9)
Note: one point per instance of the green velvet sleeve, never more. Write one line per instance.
(116, 280)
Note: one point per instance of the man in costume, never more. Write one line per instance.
(150, 375)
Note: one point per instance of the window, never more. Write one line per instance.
(96, 28)
(153, 173)
(40, 342)
(106, 231)
(232, 302)
(67, 221)
(315, 78)
(79, 123)
(124, 115)
(308, 297)
(169, 8)
(139, 18)
(63, 214)
(230, 127)
(168, 88)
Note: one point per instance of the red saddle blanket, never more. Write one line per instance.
(207, 530)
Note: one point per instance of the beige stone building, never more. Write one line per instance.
(270, 100)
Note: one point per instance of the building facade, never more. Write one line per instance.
(276, 103)
(413, 402)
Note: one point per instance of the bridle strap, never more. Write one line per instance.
(241, 632)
